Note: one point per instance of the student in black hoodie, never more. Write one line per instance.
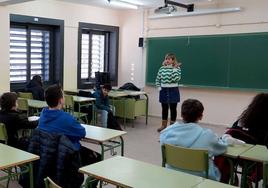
(14, 121)
(35, 86)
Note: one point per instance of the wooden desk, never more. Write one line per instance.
(236, 150)
(36, 105)
(138, 93)
(103, 137)
(212, 184)
(233, 152)
(10, 157)
(84, 101)
(258, 153)
(125, 172)
(131, 107)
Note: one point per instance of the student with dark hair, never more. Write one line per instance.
(35, 86)
(251, 127)
(254, 118)
(14, 121)
(191, 135)
(103, 106)
(54, 120)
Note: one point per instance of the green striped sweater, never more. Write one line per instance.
(168, 76)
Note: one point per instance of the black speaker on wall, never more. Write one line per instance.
(141, 40)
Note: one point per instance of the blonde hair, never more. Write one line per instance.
(172, 56)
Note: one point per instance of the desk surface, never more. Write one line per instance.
(99, 134)
(212, 184)
(125, 172)
(36, 103)
(83, 99)
(115, 94)
(236, 150)
(257, 153)
(10, 156)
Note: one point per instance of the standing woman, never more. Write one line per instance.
(167, 80)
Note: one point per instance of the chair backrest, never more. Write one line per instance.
(50, 184)
(69, 103)
(26, 95)
(23, 104)
(3, 133)
(185, 158)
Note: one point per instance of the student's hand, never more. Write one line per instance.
(177, 65)
(231, 140)
(159, 88)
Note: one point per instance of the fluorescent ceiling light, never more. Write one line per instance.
(132, 2)
(123, 4)
(195, 13)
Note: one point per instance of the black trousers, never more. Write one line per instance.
(173, 111)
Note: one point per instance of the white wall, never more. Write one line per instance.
(4, 52)
(221, 106)
(71, 14)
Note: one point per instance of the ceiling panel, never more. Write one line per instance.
(145, 3)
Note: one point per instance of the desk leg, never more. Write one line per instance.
(102, 151)
(122, 145)
(265, 174)
(31, 175)
(147, 104)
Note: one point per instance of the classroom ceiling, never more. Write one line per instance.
(10, 2)
(144, 3)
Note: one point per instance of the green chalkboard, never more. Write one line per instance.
(225, 61)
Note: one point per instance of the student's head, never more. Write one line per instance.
(8, 101)
(106, 88)
(38, 79)
(170, 59)
(191, 110)
(256, 114)
(54, 96)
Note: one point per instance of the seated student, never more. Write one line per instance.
(190, 135)
(250, 127)
(54, 120)
(102, 103)
(14, 121)
(35, 86)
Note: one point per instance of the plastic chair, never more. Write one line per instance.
(3, 133)
(26, 95)
(69, 107)
(23, 105)
(196, 160)
(50, 184)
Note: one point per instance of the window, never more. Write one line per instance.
(36, 48)
(98, 51)
(93, 45)
(29, 45)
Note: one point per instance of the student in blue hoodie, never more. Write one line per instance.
(190, 135)
(54, 120)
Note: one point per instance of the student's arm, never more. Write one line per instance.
(24, 123)
(217, 145)
(76, 129)
(100, 104)
(176, 76)
(158, 78)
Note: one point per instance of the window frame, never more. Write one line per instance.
(28, 28)
(110, 54)
(56, 28)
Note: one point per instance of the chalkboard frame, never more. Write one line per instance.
(233, 43)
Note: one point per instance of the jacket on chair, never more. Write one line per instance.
(58, 159)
